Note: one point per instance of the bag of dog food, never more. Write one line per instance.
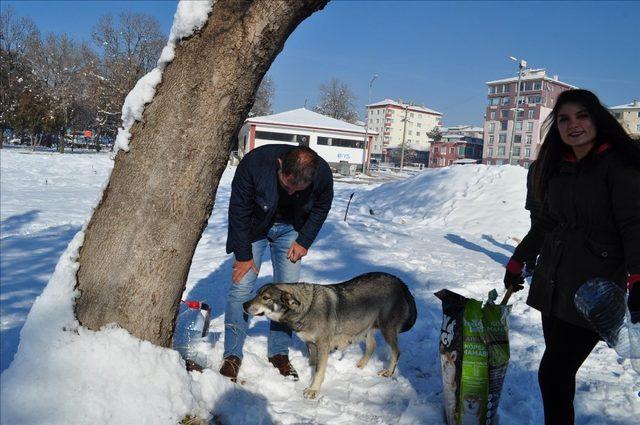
(474, 355)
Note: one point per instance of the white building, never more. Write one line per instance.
(334, 140)
(629, 116)
(386, 119)
(465, 130)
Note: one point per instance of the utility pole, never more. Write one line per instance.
(365, 146)
(521, 66)
(404, 136)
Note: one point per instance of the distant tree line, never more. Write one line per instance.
(54, 86)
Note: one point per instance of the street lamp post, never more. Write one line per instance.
(404, 136)
(365, 146)
(522, 64)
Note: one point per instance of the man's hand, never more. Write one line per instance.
(296, 252)
(240, 268)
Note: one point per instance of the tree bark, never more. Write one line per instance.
(141, 238)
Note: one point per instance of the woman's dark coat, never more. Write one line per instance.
(589, 227)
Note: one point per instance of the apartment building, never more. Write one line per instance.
(538, 93)
(459, 144)
(387, 118)
(629, 116)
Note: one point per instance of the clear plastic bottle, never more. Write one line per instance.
(191, 329)
(604, 306)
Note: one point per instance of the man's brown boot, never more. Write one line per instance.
(231, 367)
(281, 361)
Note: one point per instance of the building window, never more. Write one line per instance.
(516, 151)
(417, 133)
(492, 127)
(494, 101)
(343, 143)
(491, 139)
(530, 113)
(527, 152)
(529, 137)
(500, 150)
(520, 113)
(503, 125)
(502, 138)
(419, 125)
(505, 100)
(518, 125)
(532, 100)
(517, 138)
(492, 89)
(490, 152)
(530, 126)
(504, 113)
(493, 115)
(411, 115)
(282, 137)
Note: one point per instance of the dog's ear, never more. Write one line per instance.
(289, 300)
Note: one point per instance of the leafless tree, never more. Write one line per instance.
(264, 97)
(337, 101)
(17, 85)
(15, 32)
(129, 48)
(61, 63)
(140, 240)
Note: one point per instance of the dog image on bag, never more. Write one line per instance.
(471, 410)
(450, 382)
(328, 317)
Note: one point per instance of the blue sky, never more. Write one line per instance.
(438, 54)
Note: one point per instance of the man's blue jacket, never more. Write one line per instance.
(254, 200)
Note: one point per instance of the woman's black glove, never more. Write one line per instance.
(513, 276)
(633, 302)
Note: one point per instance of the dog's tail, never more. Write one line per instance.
(413, 312)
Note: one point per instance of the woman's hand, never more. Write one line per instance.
(513, 276)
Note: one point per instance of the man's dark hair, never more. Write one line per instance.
(300, 163)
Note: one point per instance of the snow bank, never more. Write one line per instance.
(423, 231)
(190, 16)
(462, 198)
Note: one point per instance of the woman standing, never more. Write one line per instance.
(588, 174)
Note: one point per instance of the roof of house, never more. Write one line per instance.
(534, 74)
(633, 105)
(403, 105)
(302, 117)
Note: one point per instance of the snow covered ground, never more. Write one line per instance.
(446, 228)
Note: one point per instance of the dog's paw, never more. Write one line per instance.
(386, 373)
(310, 393)
(361, 363)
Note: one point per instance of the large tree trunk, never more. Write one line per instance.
(141, 238)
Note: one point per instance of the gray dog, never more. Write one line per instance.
(329, 317)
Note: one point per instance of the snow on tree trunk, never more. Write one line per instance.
(141, 238)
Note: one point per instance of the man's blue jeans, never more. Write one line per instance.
(279, 239)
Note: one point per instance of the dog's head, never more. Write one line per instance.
(272, 302)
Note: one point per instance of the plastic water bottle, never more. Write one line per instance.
(604, 305)
(190, 332)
